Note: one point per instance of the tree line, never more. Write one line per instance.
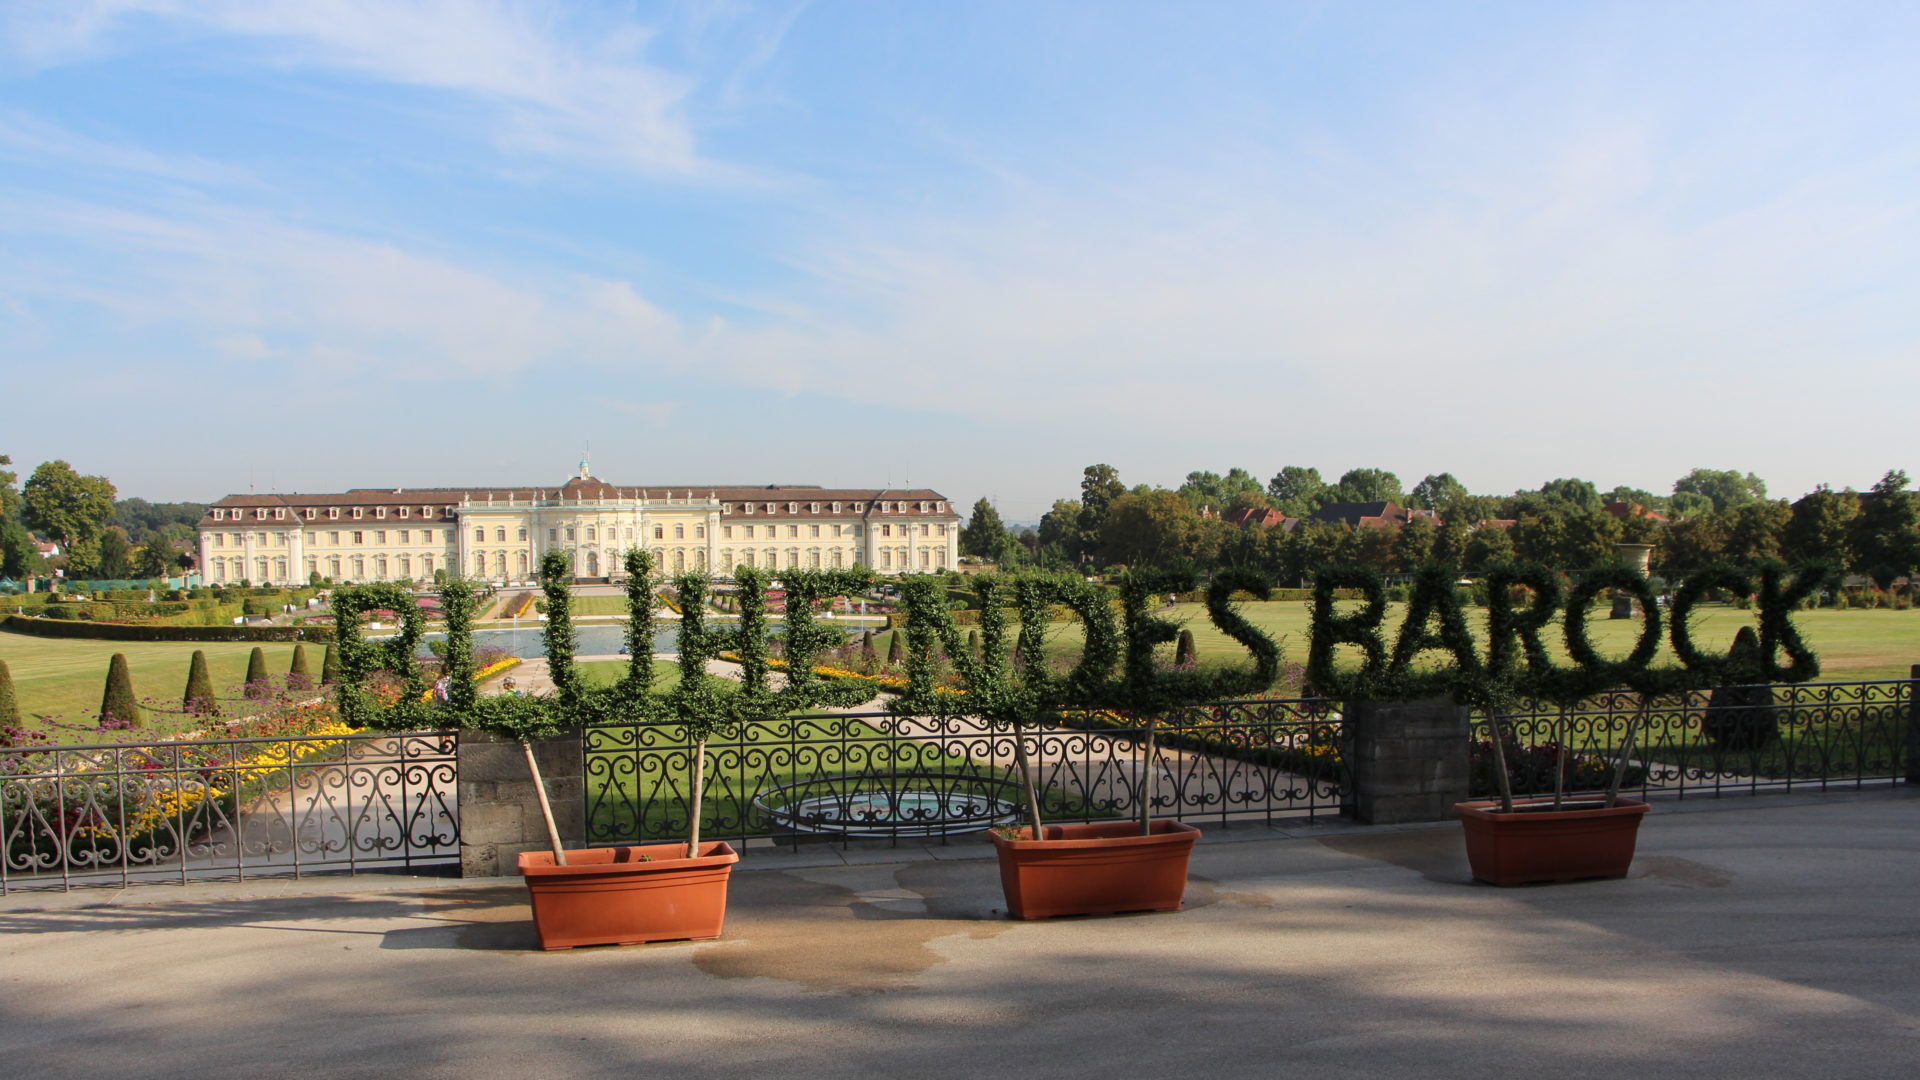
(98, 534)
(1710, 516)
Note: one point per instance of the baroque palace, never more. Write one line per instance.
(499, 534)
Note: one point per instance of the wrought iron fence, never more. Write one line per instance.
(1736, 739)
(874, 774)
(225, 808)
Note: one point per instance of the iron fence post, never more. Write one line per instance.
(1913, 724)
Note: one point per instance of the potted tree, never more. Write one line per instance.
(1075, 869)
(1558, 837)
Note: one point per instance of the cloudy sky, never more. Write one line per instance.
(317, 244)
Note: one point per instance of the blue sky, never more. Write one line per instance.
(327, 243)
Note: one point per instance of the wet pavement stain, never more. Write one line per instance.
(827, 938)
(1669, 870)
(1435, 854)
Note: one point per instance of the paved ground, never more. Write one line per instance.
(1772, 936)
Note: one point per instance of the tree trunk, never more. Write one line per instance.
(1502, 782)
(693, 801)
(1026, 781)
(546, 808)
(1634, 723)
(1149, 779)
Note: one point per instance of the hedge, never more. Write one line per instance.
(73, 628)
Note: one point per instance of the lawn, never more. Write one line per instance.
(1853, 644)
(58, 681)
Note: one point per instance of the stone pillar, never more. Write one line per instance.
(1913, 725)
(499, 811)
(1409, 760)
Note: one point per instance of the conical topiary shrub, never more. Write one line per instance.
(198, 700)
(9, 706)
(256, 673)
(329, 666)
(299, 677)
(118, 708)
(1184, 653)
(896, 648)
(867, 651)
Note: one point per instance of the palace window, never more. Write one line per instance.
(813, 508)
(770, 509)
(793, 508)
(699, 532)
(629, 532)
(380, 567)
(592, 533)
(333, 538)
(726, 532)
(480, 536)
(836, 508)
(746, 558)
(813, 558)
(356, 513)
(359, 568)
(219, 514)
(500, 534)
(886, 558)
(523, 534)
(859, 508)
(836, 530)
(886, 530)
(333, 513)
(380, 537)
(569, 534)
(553, 535)
(406, 536)
(405, 510)
(523, 564)
(333, 566)
(219, 539)
(836, 558)
(793, 531)
(406, 561)
(813, 530)
(746, 508)
(359, 538)
(381, 512)
(310, 513)
(679, 532)
(926, 530)
(659, 532)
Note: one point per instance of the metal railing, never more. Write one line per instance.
(1734, 740)
(225, 808)
(874, 774)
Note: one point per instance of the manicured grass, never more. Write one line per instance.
(1853, 644)
(600, 605)
(666, 673)
(60, 679)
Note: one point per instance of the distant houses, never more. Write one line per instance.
(1374, 515)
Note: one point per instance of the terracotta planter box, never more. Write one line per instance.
(628, 895)
(1587, 840)
(1096, 869)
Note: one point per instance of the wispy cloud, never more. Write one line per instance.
(578, 87)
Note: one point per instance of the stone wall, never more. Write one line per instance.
(499, 811)
(1410, 760)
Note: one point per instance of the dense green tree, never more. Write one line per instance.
(155, 558)
(1688, 504)
(1413, 545)
(1886, 535)
(1371, 547)
(19, 557)
(71, 508)
(1579, 496)
(1822, 527)
(117, 703)
(1309, 547)
(1221, 493)
(1488, 546)
(1755, 531)
(1155, 529)
(1450, 542)
(985, 534)
(1726, 487)
(1542, 538)
(9, 494)
(1368, 485)
(1692, 543)
(1590, 539)
(198, 699)
(114, 557)
(1297, 491)
(1437, 492)
(1633, 495)
(142, 519)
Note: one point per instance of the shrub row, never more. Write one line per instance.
(66, 628)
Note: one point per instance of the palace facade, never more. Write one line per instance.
(499, 534)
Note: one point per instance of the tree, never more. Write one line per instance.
(9, 496)
(299, 676)
(1576, 494)
(1693, 543)
(155, 558)
(1298, 491)
(118, 706)
(1368, 485)
(68, 507)
(1413, 546)
(1150, 530)
(9, 705)
(329, 666)
(985, 535)
(1184, 652)
(1450, 542)
(1238, 487)
(1488, 546)
(1590, 539)
(1821, 527)
(896, 648)
(257, 673)
(1725, 487)
(114, 558)
(1886, 536)
(1437, 492)
(19, 556)
(1636, 496)
(1541, 538)
(198, 700)
(1754, 531)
